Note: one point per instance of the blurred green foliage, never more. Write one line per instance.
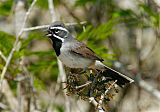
(84, 2)
(44, 68)
(146, 17)
(152, 18)
(128, 17)
(45, 65)
(93, 2)
(39, 84)
(5, 7)
(6, 42)
(95, 37)
(43, 4)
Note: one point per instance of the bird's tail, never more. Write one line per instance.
(113, 74)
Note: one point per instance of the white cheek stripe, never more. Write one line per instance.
(60, 28)
(62, 39)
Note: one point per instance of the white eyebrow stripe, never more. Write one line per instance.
(62, 39)
(60, 28)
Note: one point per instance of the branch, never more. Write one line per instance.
(51, 9)
(150, 89)
(12, 101)
(35, 28)
(63, 79)
(72, 24)
(95, 103)
(139, 82)
(103, 95)
(25, 18)
(3, 57)
(99, 104)
(81, 86)
(46, 26)
(16, 43)
(3, 106)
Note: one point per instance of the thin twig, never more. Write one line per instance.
(86, 84)
(95, 103)
(3, 106)
(16, 43)
(35, 28)
(51, 9)
(63, 79)
(25, 18)
(72, 24)
(19, 98)
(139, 81)
(110, 87)
(99, 104)
(3, 57)
(46, 26)
(150, 89)
(12, 101)
(103, 94)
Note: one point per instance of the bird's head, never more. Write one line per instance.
(57, 31)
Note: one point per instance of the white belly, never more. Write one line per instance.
(73, 60)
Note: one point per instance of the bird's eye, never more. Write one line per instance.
(57, 31)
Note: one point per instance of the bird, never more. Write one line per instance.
(75, 54)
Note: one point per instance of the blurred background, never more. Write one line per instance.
(125, 33)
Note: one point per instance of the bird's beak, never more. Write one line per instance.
(47, 33)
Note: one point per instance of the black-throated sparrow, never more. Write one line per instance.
(75, 54)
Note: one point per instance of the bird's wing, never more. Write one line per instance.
(82, 50)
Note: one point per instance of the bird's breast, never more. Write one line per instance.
(73, 60)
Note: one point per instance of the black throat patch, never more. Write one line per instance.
(56, 43)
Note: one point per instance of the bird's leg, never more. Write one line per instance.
(93, 85)
(93, 72)
(93, 69)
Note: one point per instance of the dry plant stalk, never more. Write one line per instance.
(91, 86)
(16, 43)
